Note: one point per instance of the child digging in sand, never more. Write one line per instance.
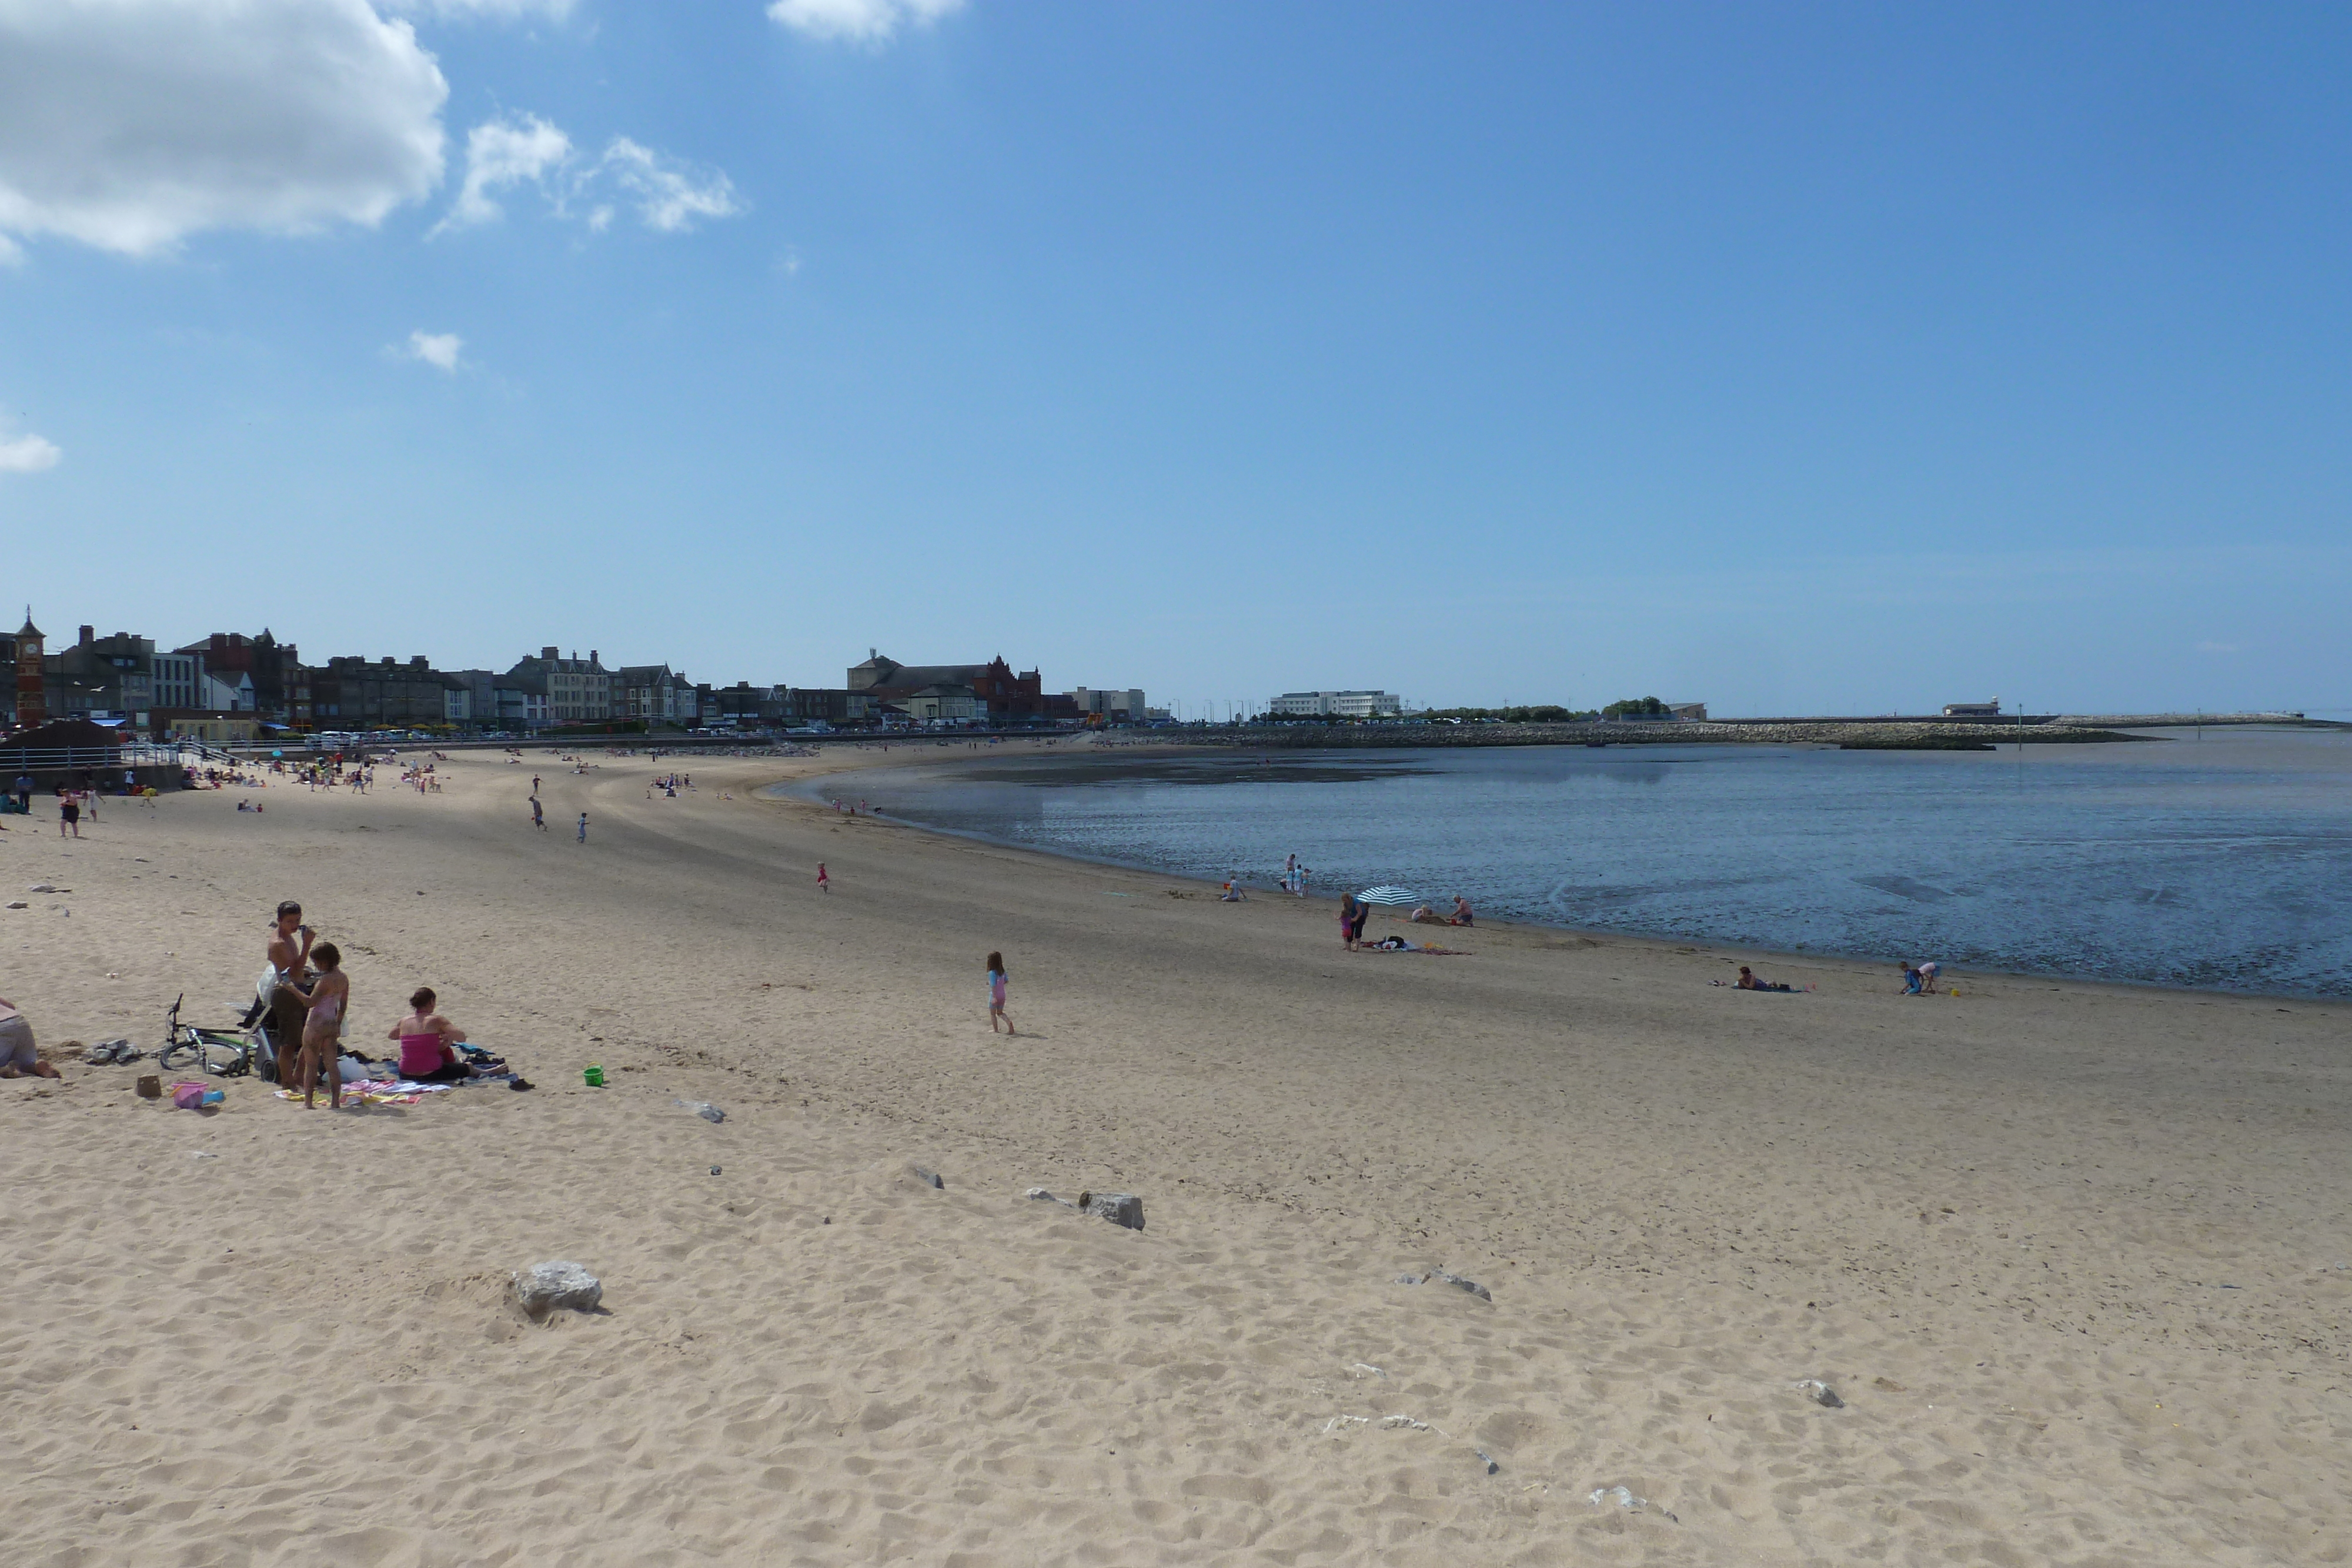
(996, 978)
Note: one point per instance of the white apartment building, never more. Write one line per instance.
(1334, 704)
(1128, 704)
(177, 676)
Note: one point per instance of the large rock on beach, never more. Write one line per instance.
(1118, 1208)
(545, 1288)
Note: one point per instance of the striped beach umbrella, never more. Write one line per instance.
(1387, 895)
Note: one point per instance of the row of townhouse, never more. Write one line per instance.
(129, 680)
(228, 684)
(554, 688)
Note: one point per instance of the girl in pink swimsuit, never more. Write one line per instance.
(323, 1027)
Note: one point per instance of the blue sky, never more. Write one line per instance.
(1791, 359)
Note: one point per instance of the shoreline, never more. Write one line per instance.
(800, 786)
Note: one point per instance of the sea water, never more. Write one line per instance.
(2222, 861)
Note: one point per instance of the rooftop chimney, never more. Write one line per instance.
(592, 656)
(547, 653)
(89, 635)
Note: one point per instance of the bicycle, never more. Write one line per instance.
(186, 1045)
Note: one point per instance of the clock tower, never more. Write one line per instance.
(32, 707)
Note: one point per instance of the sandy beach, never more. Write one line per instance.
(2074, 1257)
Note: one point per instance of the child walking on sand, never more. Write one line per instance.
(996, 977)
(823, 883)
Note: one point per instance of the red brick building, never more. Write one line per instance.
(996, 690)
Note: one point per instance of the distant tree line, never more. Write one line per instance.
(1551, 713)
(1539, 713)
(1532, 713)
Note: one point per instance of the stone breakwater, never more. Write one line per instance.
(1881, 734)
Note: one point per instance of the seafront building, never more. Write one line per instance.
(1087, 702)
(1335, 705)
(991, 691)
(27, 705)
(96, 676)
(273, 671)
(353, 693)
(568, 690)
(655, 694)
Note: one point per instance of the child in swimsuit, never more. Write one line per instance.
(328, 995)
(996, 978)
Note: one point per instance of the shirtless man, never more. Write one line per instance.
(289, 955)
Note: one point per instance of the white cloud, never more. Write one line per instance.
(500, 153)
(129, 124)
(438, 350)
(865, 21)
(26, 454)
(493, 10)
(520, 150)
(669, 197)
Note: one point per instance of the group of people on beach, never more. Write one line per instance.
(1354, 912)
(538, 811)
(308, 998)
(1919, 979)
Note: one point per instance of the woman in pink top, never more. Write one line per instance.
(429, 1043)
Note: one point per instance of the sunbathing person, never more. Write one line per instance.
(1398, 944)
(17, 1056)
(1748, 982)
(429, 1043)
